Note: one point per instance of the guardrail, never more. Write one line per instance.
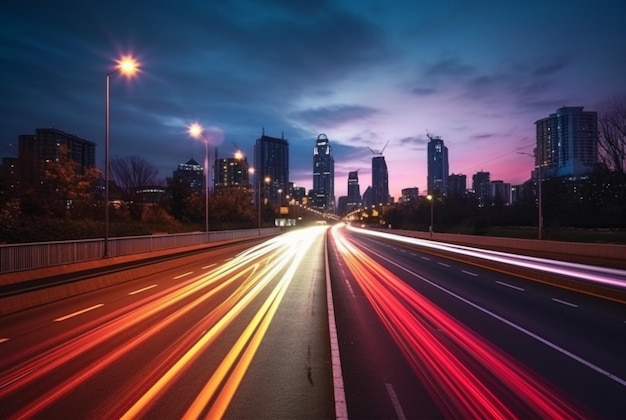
(18, 257)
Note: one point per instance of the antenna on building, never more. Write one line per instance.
(379, 152)
(263, 130)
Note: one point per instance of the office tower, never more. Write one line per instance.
(190, 174)
(567, 143)
(231, 172)
(271, 162)
(500, 192)
(380, 181)
(457, 185)
(323, 175)
(47, 144)
(437, 155)
(353, 199)
(482, 187)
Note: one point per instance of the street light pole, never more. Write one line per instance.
(431, 198)
(196, 131)
(127, 66)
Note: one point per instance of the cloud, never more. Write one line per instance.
(334, 115)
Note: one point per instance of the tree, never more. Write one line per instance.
(612, 133)
(129, 174)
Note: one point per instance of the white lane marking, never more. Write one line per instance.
(521, 329)
(228, 259)
(2, 340)
(395, 402)
(182, 275)
(444, 264)
(208, 266)
(573, 305)
(142, 289)
(339, 393)
(82, 311)
(426, 258)
(469, 273)
(510, 285)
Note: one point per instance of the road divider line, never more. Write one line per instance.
(501, 283)
(142, 289)
(469, 273)
(562, 302)
(82, 311)
(395, 402)
(444, 264)
(2, 340)
(209, 266)
(183, 275)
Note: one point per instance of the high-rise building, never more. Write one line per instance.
(323, 175)
(410, 195)
(380, 181)
(353, 201)
(500, 192)
(437, 155)
(231, 172)
(482, 187)
(47, 144)
(457, 185)
(190, 174)
(271, 161)
(567, 143)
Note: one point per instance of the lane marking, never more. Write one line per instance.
(182, 275)
(142, 290)
(521, 289)
(426, 258)
(208, 266)
(469, 273)
(395, 402)
(444, 264)
(565, 303)
(82, 311)
(2, 340)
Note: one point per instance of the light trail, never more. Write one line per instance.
(423, 332)
(594, 274)
(250, 272)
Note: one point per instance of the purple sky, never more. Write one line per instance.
(477, 73)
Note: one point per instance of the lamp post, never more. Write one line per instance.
(431, 198)
(539, 180)
(196, 131)
(128, 66)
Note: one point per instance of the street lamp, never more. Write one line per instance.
(196, 131)
(128, 66)
(430, 198)
(539, 180)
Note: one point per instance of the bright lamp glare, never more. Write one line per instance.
(195, 130)
(128, 65)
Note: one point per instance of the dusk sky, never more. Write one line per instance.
(477, 73)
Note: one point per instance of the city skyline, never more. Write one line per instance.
(365, 73)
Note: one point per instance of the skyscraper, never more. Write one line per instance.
(380, 181)
(271, 160)
(437, 155)
(354, 192)
(567, 142)
(323, 175)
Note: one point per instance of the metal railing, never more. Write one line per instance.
(18, 257)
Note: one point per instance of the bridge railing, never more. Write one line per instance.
(28, 256)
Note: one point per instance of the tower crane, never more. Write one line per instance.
(378, 152)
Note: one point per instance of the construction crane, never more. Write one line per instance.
(378, 152)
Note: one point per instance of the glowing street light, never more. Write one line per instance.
(431, 198)
(128, 66)
(196, 131)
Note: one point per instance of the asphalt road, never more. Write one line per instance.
(242, 332)
(519, 341)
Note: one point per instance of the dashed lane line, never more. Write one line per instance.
(562, 302)
(82, 311)
(183, 275)
(521, 289)
(143, 289)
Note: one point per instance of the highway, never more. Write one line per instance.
(323, 323)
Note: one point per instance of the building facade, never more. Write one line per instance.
(457, 185)
(191, 174)
(380, 182)
(271, 163)
(231, 172)
(437, 155)
(567, 143)
(323, 175)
